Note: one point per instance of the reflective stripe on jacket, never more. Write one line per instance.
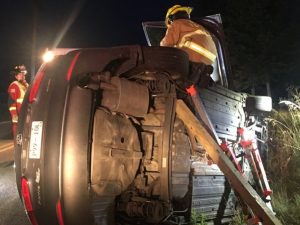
(192, 38)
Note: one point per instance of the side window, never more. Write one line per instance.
(154, 32)
(217, 72)
(215, 75)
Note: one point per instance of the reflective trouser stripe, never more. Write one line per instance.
(12, 108)
(19, 100)
(13, 113)
(199, 49)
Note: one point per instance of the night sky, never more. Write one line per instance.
(84, 23)
(28, 27)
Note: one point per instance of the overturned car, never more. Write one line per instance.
(99, 141)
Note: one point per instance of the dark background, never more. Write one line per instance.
(262, 36)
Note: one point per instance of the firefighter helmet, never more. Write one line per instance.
(19, 69)
(173, 10)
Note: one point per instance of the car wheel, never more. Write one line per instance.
(260, 103)
(164, 59)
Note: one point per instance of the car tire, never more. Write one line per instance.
(165, 59)
(259, 103)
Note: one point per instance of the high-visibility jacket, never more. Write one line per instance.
(192, 38)
(16, 91)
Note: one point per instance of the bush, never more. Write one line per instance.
(238, 218)
(287, 208)
(284, 155)
(283, 163)
(197, 218)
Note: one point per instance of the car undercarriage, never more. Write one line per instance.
(145, 166)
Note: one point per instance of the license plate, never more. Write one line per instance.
(36, 140)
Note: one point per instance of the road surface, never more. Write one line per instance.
(6, 151)
(11, 209)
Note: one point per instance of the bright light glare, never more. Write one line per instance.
(48, 56)
(248, 134)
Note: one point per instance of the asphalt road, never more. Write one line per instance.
(11, 209)
(6, 151)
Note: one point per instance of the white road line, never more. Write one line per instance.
(6, 145)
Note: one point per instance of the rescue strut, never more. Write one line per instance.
(201, 113)
(249, 144)
(237, 181)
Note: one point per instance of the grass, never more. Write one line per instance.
(197, 218)
(286, 207)
(283, 163)
(238, 218)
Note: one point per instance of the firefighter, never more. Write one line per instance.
(194, 39)
(16, 91)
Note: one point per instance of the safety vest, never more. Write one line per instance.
(16, 91)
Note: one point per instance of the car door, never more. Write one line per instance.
(155, 31)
